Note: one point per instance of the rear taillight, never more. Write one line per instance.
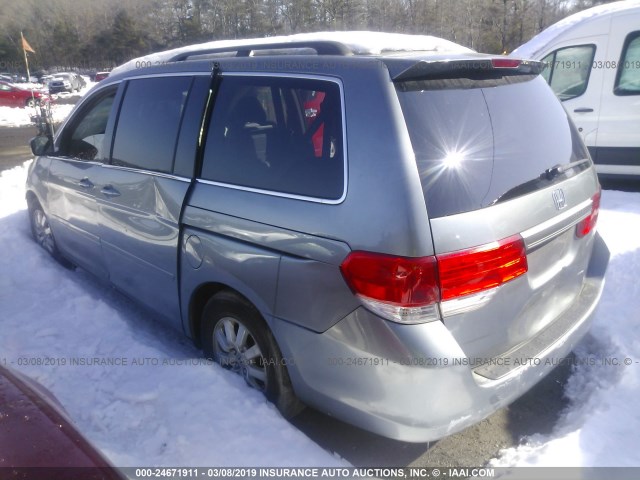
(585, 226)
(399, 288)
(481, 268)
(407, 290)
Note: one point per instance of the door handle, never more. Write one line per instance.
(85, 183)
(583, 110)
(109, 191)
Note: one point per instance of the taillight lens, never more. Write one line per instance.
(398, 288)
(400, 280)
(407, 290)
(481, 268)
(585, 226)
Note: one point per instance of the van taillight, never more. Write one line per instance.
(401, 289)
(481, 268)
(585, 226)
(408, 290)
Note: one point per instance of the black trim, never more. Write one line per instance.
(627, 156)
(474, 69)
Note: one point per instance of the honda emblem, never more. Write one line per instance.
(558, 199)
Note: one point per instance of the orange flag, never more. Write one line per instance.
(25, 45)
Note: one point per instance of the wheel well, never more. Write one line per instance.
(196, 306)
(199, 300)
(31, 198)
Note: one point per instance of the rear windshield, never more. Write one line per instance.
(481, 142)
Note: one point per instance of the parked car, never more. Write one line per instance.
(66, 82)
(14, 96)
(37, 438)
(101, 76)
(593, 60)
(396, 278)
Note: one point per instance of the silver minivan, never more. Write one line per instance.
(403, 238)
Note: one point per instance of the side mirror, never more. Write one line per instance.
(41, 145)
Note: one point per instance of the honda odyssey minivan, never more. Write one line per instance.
(393, 229)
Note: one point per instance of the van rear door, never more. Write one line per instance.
(503, 170)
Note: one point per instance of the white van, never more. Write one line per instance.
(593, 65)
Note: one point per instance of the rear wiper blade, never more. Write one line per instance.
(548, 176)
(553, 172)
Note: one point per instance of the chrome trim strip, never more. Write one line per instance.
(271, 193)
(74, 160)
(147, 172)
(556, 226)
(169, 74)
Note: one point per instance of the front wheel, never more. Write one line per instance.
(42, 233)
(235, 336)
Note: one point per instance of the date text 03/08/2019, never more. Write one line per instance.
(309, 472)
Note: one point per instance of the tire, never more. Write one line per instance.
(255, 356)
(43, 235)
(31, 102)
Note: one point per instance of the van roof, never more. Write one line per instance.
(544, 38)
(337, 43)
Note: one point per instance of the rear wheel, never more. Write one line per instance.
(31, 102)
(235, 336)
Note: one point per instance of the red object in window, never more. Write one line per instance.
(312, 109)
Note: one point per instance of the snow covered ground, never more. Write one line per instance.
(601, 427)
(164, 408)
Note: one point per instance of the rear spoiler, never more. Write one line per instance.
(469, 68)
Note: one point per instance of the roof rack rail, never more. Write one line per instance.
(322, 47)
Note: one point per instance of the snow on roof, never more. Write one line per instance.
(360, 42)
(537, 43)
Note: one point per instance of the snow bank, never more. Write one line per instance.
(21, 117)
(158, 405)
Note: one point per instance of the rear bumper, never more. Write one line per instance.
(413, 382)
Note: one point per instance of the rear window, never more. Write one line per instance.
(477, 143)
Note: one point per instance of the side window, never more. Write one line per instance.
(568, 70)
(277, 134)
(628, 76)
(5, 88)
(83, 139)
(148, 123)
